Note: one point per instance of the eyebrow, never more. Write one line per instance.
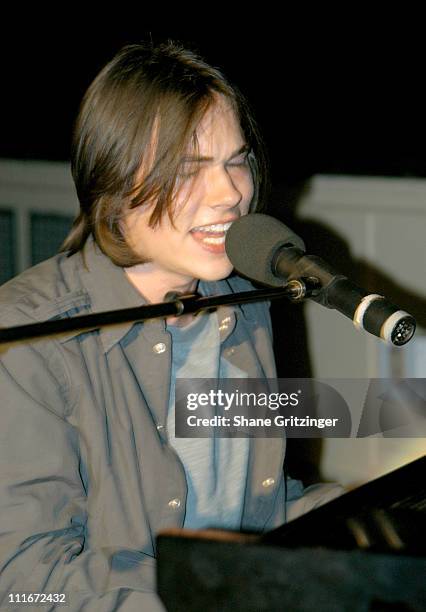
(192, 158)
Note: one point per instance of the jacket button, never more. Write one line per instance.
(268, 482)
(160, 347)
(224, 324)
(160, 427)
(174, 503)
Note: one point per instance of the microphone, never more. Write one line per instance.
(265, 250)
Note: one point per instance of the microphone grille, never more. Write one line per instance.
(251, 243)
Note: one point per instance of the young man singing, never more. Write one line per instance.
(165, 156)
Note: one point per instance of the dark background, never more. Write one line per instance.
(344, 95)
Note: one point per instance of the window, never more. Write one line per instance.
(48, 231)
(7, 245)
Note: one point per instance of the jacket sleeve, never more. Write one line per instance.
(300, 500)
(44, 546)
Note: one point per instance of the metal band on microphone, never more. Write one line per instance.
(379, 317)
(362, 308)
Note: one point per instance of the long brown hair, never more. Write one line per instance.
(145, 91)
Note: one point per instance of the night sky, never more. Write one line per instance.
(350, 104)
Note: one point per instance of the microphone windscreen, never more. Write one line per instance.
(252, 242)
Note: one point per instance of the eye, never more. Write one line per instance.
(184, 174)
(241, 160)
(188, 170)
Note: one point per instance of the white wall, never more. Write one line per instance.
(384, 222)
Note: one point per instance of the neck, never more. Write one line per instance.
(153, 285)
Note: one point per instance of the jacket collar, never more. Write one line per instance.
(109, 289)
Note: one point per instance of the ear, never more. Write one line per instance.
(254, 172)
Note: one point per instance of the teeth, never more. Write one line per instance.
(218, 227)
(211, 240)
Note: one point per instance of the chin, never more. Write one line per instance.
(215, 273)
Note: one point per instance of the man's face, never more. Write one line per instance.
(206, 203)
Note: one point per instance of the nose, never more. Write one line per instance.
(223, 190)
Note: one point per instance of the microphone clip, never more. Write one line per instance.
(301, 288)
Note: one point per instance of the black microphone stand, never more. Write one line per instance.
(295, 290)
